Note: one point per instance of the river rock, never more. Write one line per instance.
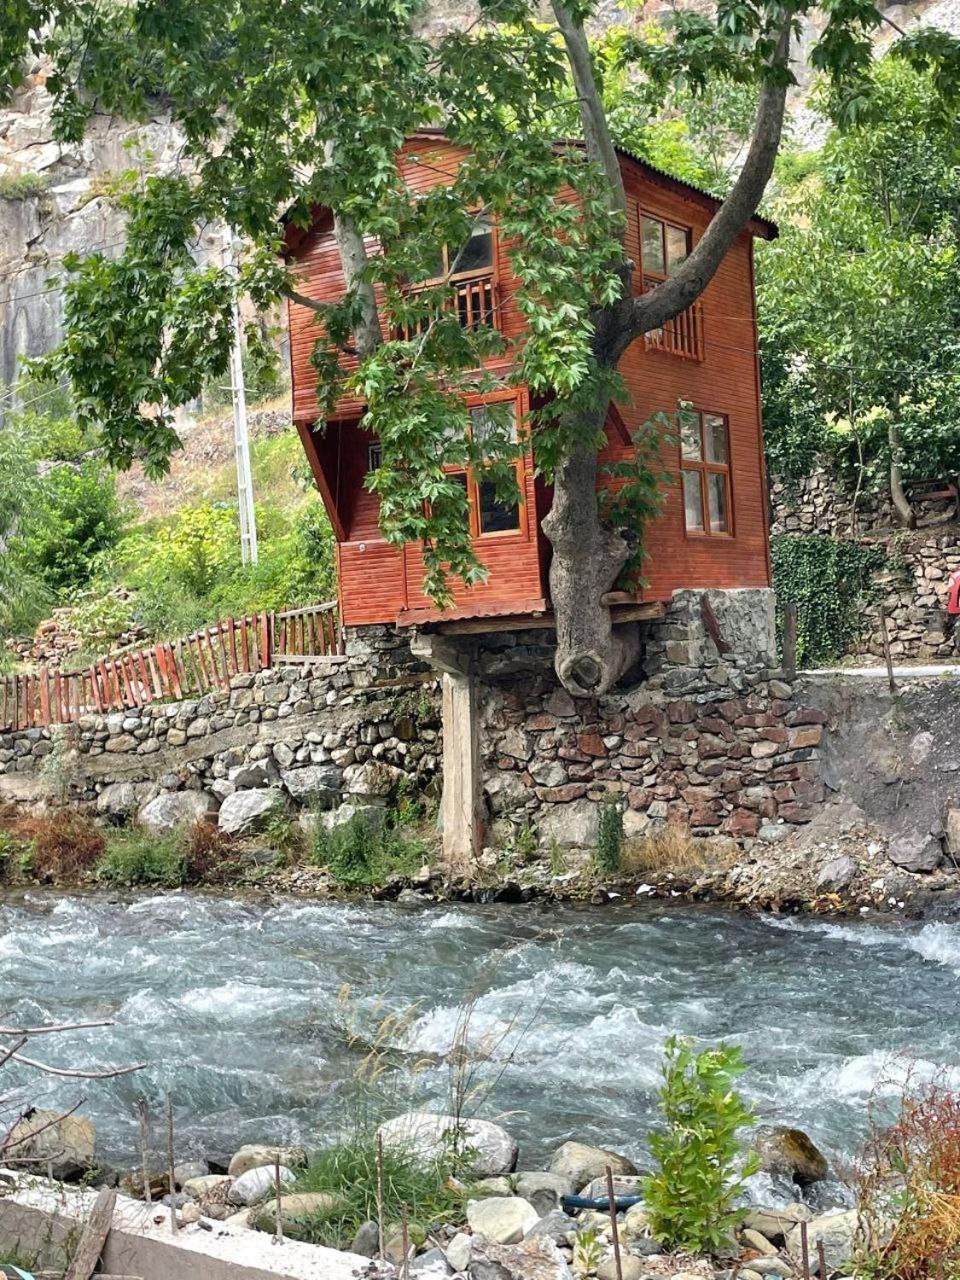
(789, 1153)
(555, 1226)
(581, 1163)
(636, 1221)
(200, 1188)
(458, 1251)
(367, 1240)
(296, 1213)
(247, 811)
(776, 1224)
(190, 1213)
(543, 1190)
(256, 1184)
(531, 1260)
(42, 1140)
(758, 1241)
(503, 1219)
(915, 851)
(254, 1154)
(494, 1187)
(623, 1185)
(424, 1135)
(771, 1265)
(172, 810)
(839, 873)
(836, 1230)
(630, 1268)
(432, 1265)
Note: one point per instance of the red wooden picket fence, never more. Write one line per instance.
(191, 666)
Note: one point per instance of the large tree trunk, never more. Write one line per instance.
(591, 653)
(901, 504)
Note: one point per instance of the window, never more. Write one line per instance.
(488, 513)
(664, 246)
(472, 259)
(705, 473)
(374, 456)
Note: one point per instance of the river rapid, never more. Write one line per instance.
(242, 1011)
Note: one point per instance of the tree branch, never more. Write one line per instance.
(596, 131)
(353, 260)
(675, 294)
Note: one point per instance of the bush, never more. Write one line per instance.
(829, 580)
(135, 857)
(62, 845)
(76, 517)
(909, 1190)
(609, 838)
(357, 854)
(206, 851)
(691, 1194)
(348, 1171)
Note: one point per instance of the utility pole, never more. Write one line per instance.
(241, 435)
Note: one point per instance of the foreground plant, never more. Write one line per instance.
(909, 1190)
(699, 1175)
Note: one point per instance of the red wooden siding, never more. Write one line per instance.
(380, 583)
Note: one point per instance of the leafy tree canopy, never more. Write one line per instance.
(291, 106)
(860, 297)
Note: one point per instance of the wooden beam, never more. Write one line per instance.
(461, 812)
(646, 611)
(93, 1237)
(440, 653)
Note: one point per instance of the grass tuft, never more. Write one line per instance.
(671, 847)
(61, 844)
(135, 857)
(358, 854)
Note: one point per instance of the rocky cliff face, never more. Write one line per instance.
(52, 198)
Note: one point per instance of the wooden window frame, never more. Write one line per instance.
(703, 468)
(648, 272)
(459, 277)
(473, 481)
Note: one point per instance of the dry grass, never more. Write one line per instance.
(63, 844)
(673, 848)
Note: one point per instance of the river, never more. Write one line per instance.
(239, 1009)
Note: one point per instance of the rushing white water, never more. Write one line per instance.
(239, 1010)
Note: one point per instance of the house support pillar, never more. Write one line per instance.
(461, 812)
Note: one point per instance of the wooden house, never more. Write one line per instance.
(712, 531)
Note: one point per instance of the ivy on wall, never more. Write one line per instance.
(829, 580)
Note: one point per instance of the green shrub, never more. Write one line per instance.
(76, 516)
(135, 857)
(609, 838)
(348, 1171)
(23, 186)
(358, 854)
(829, 580)
(697, 1179)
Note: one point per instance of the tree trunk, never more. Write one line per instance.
(905, 513)
(591, 653)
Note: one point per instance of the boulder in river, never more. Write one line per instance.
(503, 1219)
(789, 1153)
(426, 1137)
(44, 1139)
(543, 1190)
(255, 1154)
(172, 810)
(581, 1163)
(776, 1224)
(837, 1231)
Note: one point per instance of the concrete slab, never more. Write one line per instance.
(43, 1220)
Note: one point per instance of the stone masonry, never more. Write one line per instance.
(715, 740)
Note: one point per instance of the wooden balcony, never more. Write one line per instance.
(474, 301)
(682, 336)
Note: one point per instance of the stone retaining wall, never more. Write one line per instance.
(713, 739)
(913, 591)
(337, 731)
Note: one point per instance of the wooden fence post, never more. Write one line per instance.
(888, 657)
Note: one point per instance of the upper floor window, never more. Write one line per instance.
(663, 246)
(705, 473)
(471, 259)
(470, 270)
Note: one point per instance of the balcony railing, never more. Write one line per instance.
(681, 336)
(474, 301)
